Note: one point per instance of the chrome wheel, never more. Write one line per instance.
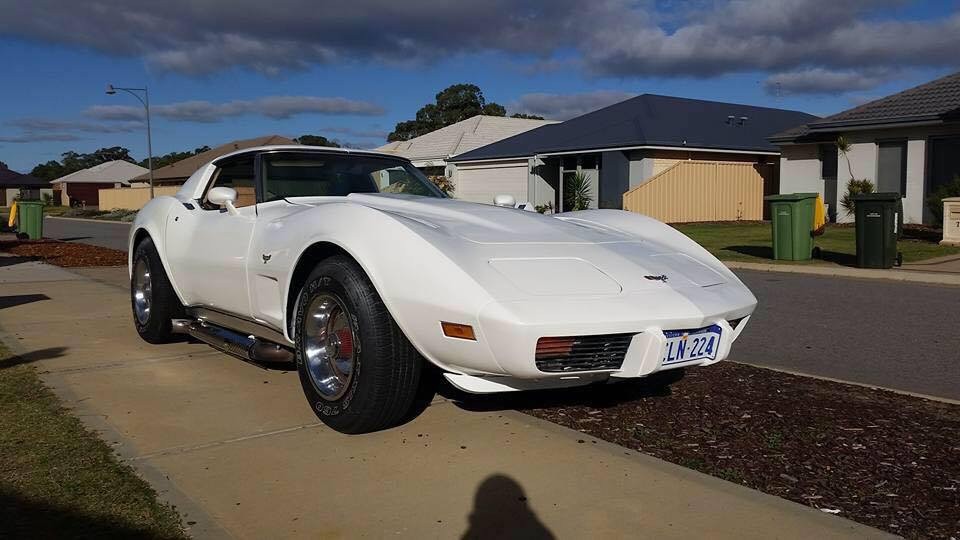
(142, 291)
(328, 346)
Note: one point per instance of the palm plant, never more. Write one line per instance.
(576, 192)
(854, 186)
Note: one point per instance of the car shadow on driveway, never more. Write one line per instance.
(598, 396)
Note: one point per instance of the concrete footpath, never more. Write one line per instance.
(239, 453)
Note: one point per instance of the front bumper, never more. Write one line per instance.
(508, 332)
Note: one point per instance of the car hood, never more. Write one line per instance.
(565, 254)
(487, 224)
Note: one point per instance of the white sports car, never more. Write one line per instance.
(357, 267)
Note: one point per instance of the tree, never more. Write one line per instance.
(316, 140)
(71, 161)
(527, 116)
(3, 166)
(173, 157)
(453, 104)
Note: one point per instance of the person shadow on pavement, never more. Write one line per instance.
(500, 511)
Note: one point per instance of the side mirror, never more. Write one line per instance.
(223, 196)
(505, 200)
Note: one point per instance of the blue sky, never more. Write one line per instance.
(352, 73)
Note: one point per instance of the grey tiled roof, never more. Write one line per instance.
(13, 179)
(935, 100)
(651, 120)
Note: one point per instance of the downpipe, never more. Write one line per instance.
(245, 347)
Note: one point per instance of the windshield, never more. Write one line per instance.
(315, 174)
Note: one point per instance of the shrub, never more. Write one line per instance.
(442, 182)
(935, 200)
(854, 187)
(576, 192)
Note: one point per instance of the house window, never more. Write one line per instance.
(828, 161)
(944, 164)
(892, 167)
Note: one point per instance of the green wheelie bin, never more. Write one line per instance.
(879, 225)
(30, 219)
(791, 215)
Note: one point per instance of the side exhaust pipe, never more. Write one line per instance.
(245, 347)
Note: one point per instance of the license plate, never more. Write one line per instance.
(689, 345)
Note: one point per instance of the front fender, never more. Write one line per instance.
(404, 260)
(152, 220)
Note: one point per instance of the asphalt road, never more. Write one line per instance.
(108, 234)
(894, 334)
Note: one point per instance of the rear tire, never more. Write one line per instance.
(358, 371)
(152, 299)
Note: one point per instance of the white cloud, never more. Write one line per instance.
(566, 106)
(32, 130)
(825, 81)
(38, 137)
(276, 107)
(615, 38)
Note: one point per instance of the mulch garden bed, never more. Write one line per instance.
(880, 458)
(64, 253)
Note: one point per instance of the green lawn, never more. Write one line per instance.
(58, 480)
(751, 242)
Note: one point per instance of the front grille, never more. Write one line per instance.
(582, 353)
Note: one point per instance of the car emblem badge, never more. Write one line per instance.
(266, 257)
(661, 278)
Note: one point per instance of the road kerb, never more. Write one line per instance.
(127, 223)
(932, 278)
(862, 385)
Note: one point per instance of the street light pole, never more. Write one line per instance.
(145, 101)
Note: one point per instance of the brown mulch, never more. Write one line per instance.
(880, 458)
(66, 254)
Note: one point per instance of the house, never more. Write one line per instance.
(83, 187)
(908, 143)
(429, 152)
(13, 184)
(177, 173)
(625, 146)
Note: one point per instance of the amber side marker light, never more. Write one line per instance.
(459, 331)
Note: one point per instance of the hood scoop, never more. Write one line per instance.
(487, 224)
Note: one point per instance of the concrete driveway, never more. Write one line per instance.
(241, 455)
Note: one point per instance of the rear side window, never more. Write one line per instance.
(239, 174)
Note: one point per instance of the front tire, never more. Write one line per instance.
(358, 371)
(152, 298)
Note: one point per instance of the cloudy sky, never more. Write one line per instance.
(220, 70)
